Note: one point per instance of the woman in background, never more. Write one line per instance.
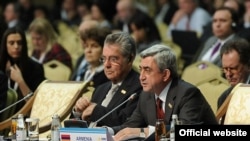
(45, 45)
(24, 74)
(89, 67)
(144, 31)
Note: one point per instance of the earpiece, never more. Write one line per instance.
(233, 24)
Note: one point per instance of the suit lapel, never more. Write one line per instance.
(122, 92)
(151, 107)
(170, 102)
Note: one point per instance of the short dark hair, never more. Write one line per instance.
(241, 46)
(234, 16)
(97, 34)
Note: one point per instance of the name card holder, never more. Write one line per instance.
(85, 134)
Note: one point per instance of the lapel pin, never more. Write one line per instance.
(123, 91)
(170, 105)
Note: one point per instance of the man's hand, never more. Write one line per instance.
(127, 133)
(88, 111)
(82, 104)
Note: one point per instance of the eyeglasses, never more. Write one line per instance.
(111, 59)
(231, 69)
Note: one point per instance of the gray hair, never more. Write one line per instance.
(164, 56)
(125, 42)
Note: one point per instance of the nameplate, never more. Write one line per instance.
(84, 134)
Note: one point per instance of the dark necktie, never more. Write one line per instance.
(159, 110)
(216, 48)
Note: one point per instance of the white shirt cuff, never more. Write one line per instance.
(151, 130)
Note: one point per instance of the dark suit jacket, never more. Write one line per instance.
(223, 96)
(3, 90)
(183, 99)
(130, 85)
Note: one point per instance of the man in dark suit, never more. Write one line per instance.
(118, 55)
(224, 27)
(235, 65)
(3, 89)
(159, 79)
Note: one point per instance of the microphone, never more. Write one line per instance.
(24, 98)
(93, 124)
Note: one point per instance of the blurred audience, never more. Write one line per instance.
(66, 11)
(189, 17)
(84, 9)
(12, 15)
(165, 10)
(26, 12)
(144, 30)
(45, 44)
(125, 10)
(24, 74)
(98, 13)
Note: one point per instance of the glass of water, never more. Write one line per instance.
(33, 128)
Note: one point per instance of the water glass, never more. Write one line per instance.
(33, 128)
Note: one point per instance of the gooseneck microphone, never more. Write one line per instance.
(24, 98)
(93, 124)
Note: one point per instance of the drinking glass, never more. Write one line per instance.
(33, 128)
(13, 127)
(160, 130)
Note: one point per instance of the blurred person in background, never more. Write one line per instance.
(24, 74)
(45, 44)
(98, 13)
(92, 44)
(66, 11)
(126, 9)
(84, 9)
(144, 31)
(26, 12)
(189, 17)
(12, 15)
(165, 10)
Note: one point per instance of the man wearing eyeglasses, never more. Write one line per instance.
(235, 64)
(118, 55)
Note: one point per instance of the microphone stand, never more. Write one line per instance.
(24, 98)
(93, 124)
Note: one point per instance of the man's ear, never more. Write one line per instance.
(166, 74)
